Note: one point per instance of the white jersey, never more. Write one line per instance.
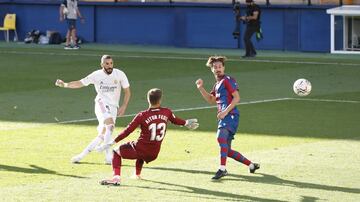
(108, 87)
(71, 7)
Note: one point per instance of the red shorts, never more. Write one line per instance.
(131, 150)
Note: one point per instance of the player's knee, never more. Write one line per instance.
(116, 152)
(109, 121)
(101, 136)
(221, 140)
(109, 127)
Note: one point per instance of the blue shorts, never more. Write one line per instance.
(71, 23)
(230, 122)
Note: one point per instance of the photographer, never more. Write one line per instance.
(236, 9)
(252, 20)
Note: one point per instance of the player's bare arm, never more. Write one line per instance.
(61, 12)
(235, 100)
(207, 96)
(122, 108)
(82, 19)
(71, 84)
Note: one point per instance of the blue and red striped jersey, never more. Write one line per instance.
(223, 90)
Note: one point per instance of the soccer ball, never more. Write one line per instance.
(302, 87)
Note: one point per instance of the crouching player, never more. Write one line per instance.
(153, 124)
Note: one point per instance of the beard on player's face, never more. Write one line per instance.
(108, 66)
(108, 70)
(218, 70)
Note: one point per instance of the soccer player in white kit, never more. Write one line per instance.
(108, 83)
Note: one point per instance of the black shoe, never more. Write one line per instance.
(253, 167)
(219, 174)
(76, 47)
(249, 56)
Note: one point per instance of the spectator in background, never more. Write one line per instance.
(252, 20)
(69, 10)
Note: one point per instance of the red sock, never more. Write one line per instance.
(139, 165)
(238, 157)
(116, 163)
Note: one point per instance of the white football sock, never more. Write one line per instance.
(222, 168)
(91, 146)
(107, 139)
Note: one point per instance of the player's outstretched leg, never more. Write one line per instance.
(138, 167)
(107, 138)
(237, 156)
(87, 150)
(116, 164)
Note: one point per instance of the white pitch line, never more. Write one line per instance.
(302, 62)
(243, 103)
(182, 58)
(186, 109)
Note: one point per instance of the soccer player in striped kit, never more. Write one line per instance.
(225, 94)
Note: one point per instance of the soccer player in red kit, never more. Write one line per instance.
(153, 123)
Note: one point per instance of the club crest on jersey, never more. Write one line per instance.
(115, 81)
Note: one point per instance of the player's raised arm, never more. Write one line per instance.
(207, 96)
(71, 84)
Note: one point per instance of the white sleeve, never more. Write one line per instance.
(124, 80)
(89, 79)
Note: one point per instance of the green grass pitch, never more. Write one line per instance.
(308, 148)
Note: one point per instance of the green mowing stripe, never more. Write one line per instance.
(242, 103)
(181, 110)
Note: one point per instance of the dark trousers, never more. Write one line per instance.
(250, 50)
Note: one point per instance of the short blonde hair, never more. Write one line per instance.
(215, 58)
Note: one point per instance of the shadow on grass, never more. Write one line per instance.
(205, 193)
(89, 163)
(266, 179)
(34, 170)
(309, 199)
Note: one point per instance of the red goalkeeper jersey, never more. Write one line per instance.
(153, 124)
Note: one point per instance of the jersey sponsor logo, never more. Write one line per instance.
(106, 89)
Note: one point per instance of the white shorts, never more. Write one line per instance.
(104, 111)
